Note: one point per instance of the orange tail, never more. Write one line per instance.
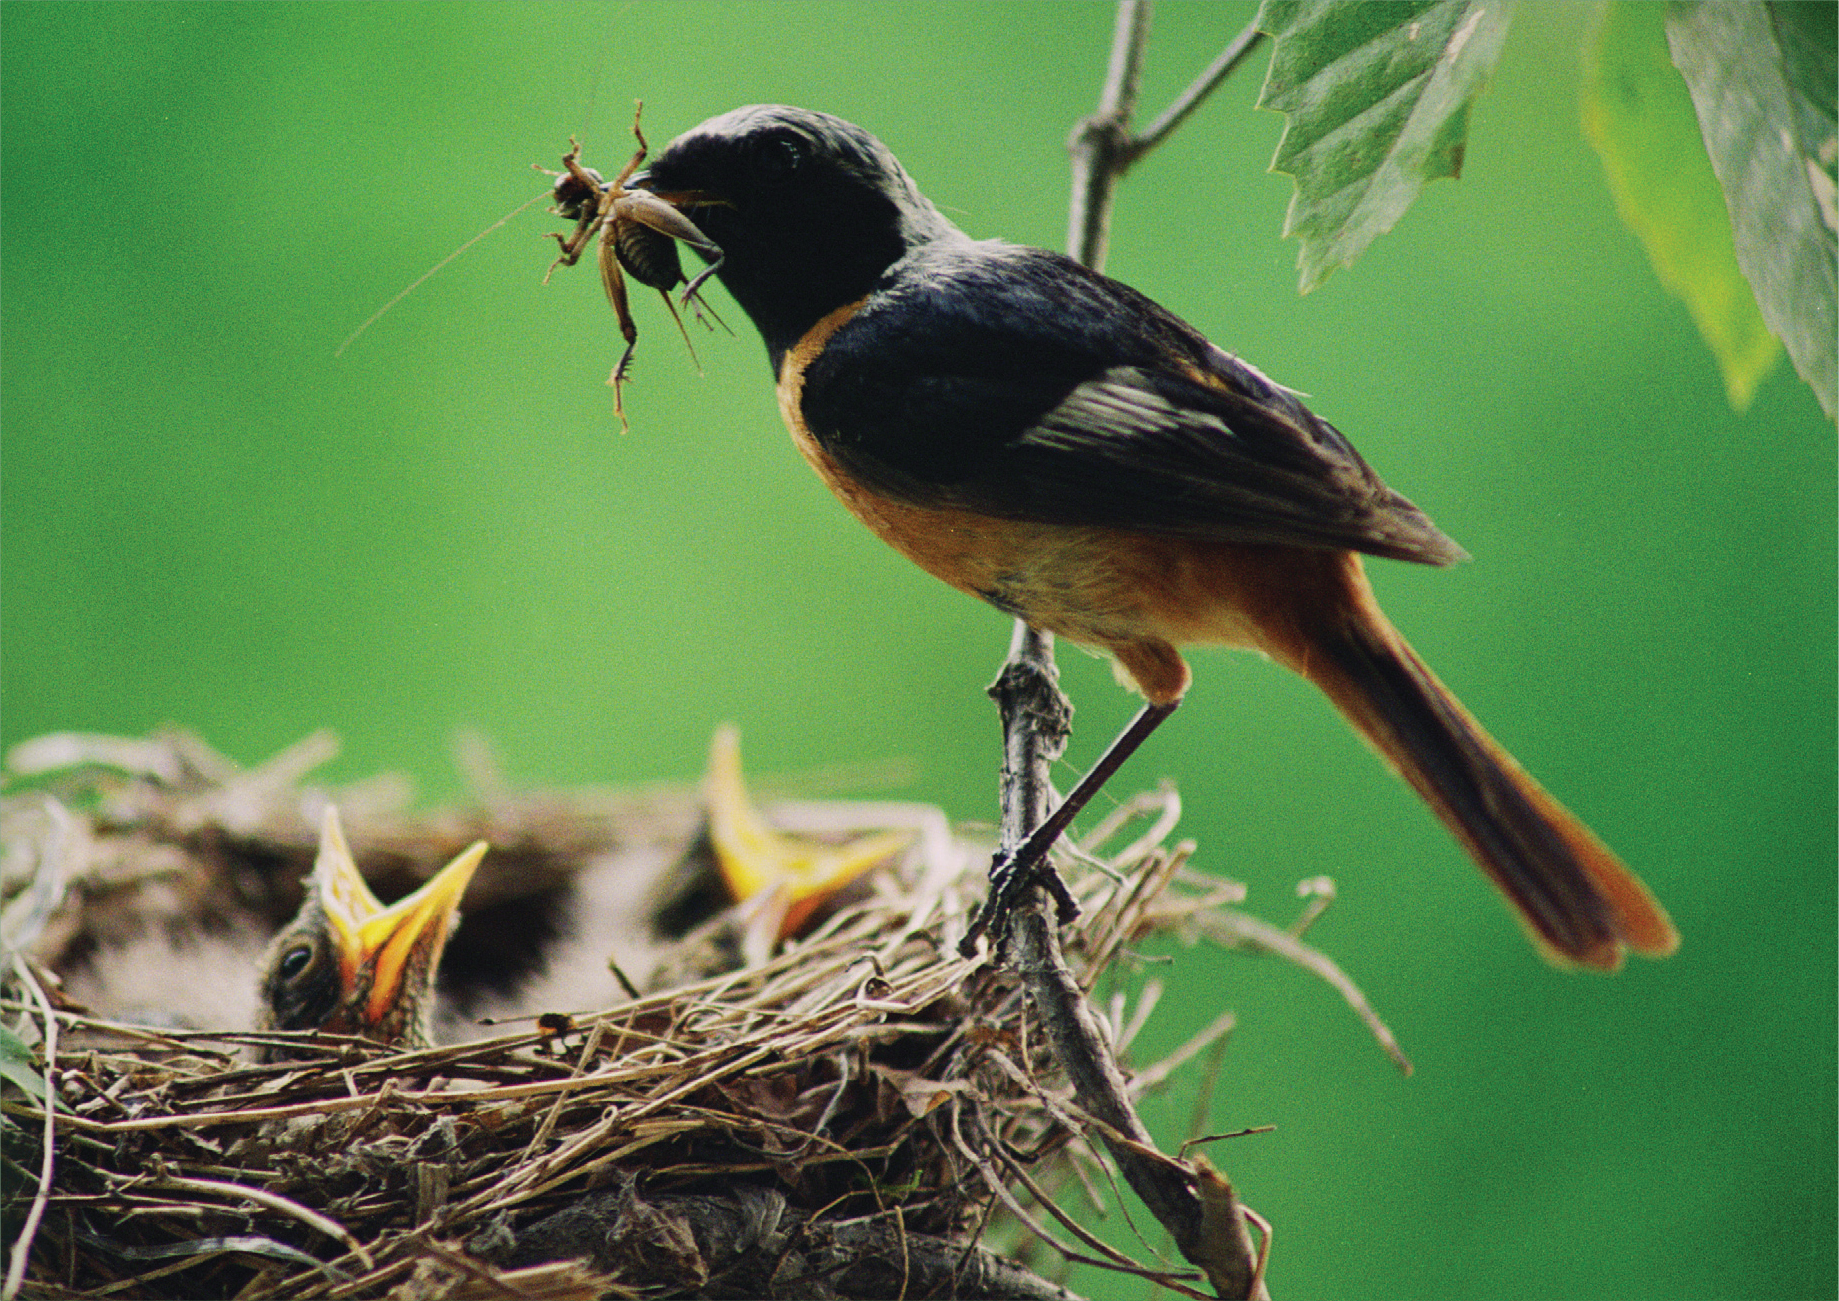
(1576, 897)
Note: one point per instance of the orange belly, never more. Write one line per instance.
(1133, 596)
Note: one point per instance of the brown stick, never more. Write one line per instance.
(1195, 1205)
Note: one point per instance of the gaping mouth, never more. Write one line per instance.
(388, 938)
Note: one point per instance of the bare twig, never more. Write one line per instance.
(1120, 1262)
(1204, 85)
(1100, 145)
(1242, 930)
(1104, 147)
(1195, 1204)
(1214, 1032)
(22, 1246)
(1112, 1259)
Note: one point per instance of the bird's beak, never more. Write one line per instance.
(678, 199)
(390, 939)
(788, 877)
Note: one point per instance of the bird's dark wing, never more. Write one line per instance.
(1016, 383)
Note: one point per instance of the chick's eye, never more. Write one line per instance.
(778, 157)
(295, 961)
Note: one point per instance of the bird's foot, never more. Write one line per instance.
(1011, 872)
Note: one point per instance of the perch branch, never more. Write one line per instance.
(1204, 85)
(1104, 147)
(1036, 716)
(1101, 145)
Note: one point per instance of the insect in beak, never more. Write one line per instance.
(638, 231)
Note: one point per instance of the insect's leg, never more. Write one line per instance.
(707, 247)
(572, 244)
(615, 285)
(638, 158)
(701, 278)
(571, 162)
(699, 306)
(666, 218)
(591, 197)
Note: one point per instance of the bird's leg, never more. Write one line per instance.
(1010, 870)
(1036, 720)
(1042, 838)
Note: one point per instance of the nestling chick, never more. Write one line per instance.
(350, 965)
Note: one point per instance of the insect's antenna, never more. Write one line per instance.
(593, 87)
(600, 66)
(373, 318)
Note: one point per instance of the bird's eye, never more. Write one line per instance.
(778, 157)
(294, 961)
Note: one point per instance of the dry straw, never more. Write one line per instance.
(852, 1117)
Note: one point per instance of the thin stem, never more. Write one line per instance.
(22, 1245)
(1100, 144)
(1026, 907)
(1201, 87)
(1129, 40)
(1037, 718)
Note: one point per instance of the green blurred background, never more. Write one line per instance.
(210, 520)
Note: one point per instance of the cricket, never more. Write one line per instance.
(638, 231)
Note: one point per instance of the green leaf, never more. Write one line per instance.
(16, 1064)
(1639, 118)
(1378, 100)
(1761, 78)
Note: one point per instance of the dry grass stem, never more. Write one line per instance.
(836, 1120)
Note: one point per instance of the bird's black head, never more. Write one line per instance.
(808, 210)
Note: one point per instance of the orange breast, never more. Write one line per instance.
(1133, 596)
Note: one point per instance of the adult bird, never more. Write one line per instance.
(1057, 444)
(349, 964)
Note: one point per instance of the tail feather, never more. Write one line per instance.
(1576, 897)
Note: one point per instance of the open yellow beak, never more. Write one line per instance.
(388, 938)
(795, 874)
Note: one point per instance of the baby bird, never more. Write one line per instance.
(350, 965)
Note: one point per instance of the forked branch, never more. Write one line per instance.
(1192, 1200)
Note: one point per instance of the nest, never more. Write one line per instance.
(853, 1116)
